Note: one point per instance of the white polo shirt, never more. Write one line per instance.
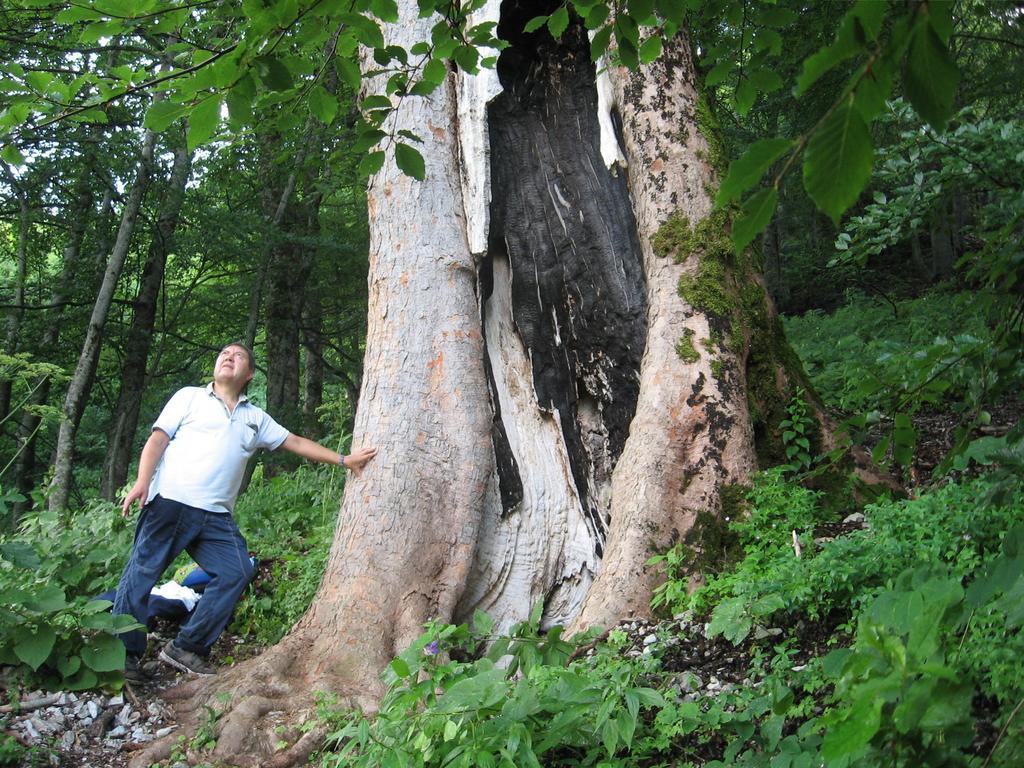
(205, 461)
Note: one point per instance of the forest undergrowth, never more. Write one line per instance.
(827, 632)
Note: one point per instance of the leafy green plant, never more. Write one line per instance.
(288, 520)
(49, 625)
(797, 430)
(13, 753)
(897, 693)
(531, 706)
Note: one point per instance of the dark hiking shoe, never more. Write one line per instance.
(134, 674)
(186, 661)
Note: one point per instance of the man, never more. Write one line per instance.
(190, 472)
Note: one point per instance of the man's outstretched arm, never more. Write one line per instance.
(152, 452)
(307, 449)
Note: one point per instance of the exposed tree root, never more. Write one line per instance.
(259, 712)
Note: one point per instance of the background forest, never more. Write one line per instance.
(861, 629)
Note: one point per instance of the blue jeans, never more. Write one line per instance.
(165, 529)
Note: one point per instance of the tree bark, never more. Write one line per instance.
(125, 417)
(941, 236)
(79, 213)
(313, 383)
(566, 365)
(81, 380)
(14, 318)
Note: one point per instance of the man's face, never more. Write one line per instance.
(232, 365)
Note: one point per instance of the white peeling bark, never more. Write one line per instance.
(689, 435)
(544, 548)
(611, 150)
(473, 94)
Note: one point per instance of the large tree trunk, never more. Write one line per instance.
(140, 335)
(85, 370)
(565, 366)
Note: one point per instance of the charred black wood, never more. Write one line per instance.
(565, 222)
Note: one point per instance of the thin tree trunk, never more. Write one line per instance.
(81, 380)
(924, 269)
(290, 266)
(273, 224)
(79, 214)
(13, 329)
(125, 417)
(943, 249)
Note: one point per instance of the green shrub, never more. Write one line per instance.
(870, 354)
(50, 568)
(287, 520)
(521, 703)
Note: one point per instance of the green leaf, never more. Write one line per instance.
(764, 80)
(767, 605)
(410, 161)
(855, 731)
(348, 71)
(82, 681)
(203, 121)
(273, 72)
(535, 23)
(77, 13)
(599, 43)
(399, 667)
(837, 163)
(558, 22)
(68, 665)
(755, 215)
(467, 57)
(39, 81)
(239, 106)
(880, 450)
(372, 163)
(161, 114)
(745, 96)
(385, 10)
(535, 613)
(367, 139)
(651, 49)
(484, 689)
(931, 77)
(21, 554)
(482, 623)
(47, 599)
(376, 101)
(1013, 604)
(435, 71)
(596, 16)
(775, 17)
(720, 72)
(626, 51)
(873, 90)
(33, 646)
(940, 17)
(323, 104)
(860, 24)
(104, 653)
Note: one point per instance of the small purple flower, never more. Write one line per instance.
(432, 649)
